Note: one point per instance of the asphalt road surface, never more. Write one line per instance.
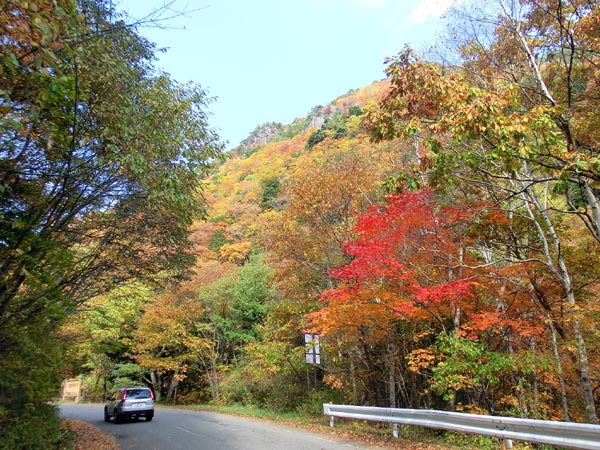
(173, 429)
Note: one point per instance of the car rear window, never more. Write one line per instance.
(138, 393)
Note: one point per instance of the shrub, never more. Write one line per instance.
(354, 111)
(33, 426)
(217, 240)
(315, 138)
(30, 373)
(270, 191)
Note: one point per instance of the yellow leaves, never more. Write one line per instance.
(235, 253)
(421, 359)
(251, 197)
(181, 374)
(334, 381)
(470, 409)
(354, 124)
(418, 336)
(168, 338)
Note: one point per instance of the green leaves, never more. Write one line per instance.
(466, 364)
(100, 170)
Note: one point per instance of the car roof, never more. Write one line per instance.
(136, 387)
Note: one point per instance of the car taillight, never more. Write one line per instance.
(152, 394)
(124, 395)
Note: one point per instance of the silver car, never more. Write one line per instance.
(130, 403)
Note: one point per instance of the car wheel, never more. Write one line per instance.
(149, 417)
(116, 417)
(106, 416)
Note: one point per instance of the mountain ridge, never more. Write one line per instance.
(267, 132)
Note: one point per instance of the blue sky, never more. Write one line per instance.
(273, 60)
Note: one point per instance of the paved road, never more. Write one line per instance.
(173, 429)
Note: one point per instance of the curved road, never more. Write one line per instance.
(174, 429)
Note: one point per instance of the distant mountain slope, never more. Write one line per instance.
(274, 131)
(254, 178)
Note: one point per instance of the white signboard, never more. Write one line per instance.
(312, 350)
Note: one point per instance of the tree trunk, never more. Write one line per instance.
(534, 381)
(392, 370)
(353, 377)
(594, 207)
(212, 375)
(563, 392)
(173, 387)
(155, 379)
(558, 266)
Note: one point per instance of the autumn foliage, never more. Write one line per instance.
(403, 266)
(438, 229)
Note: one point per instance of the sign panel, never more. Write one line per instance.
(312, 349)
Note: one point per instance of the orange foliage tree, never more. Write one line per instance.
(171, 342)
(413, 300)
(514, 123)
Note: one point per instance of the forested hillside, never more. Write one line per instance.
(438, 230)
(279, 217)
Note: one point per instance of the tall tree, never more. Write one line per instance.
(418, 286)
(100, 334)
(513, 122)
(100, 163)
(170, 342)
(407, 263)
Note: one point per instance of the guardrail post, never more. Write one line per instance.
(331, 421)
(395, 430)
(508, 445)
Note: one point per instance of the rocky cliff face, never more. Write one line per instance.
(265, 133)
(315, 119)
(262, 135)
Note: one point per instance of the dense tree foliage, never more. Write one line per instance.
(511, 124)
(438, 230)
(101, 160)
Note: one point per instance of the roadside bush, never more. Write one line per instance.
(233, 391)
(36, 426)
(472, 441)
(30, 374)
(312, 402)
(272, 376)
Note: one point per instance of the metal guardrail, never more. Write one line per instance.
(560, 434)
